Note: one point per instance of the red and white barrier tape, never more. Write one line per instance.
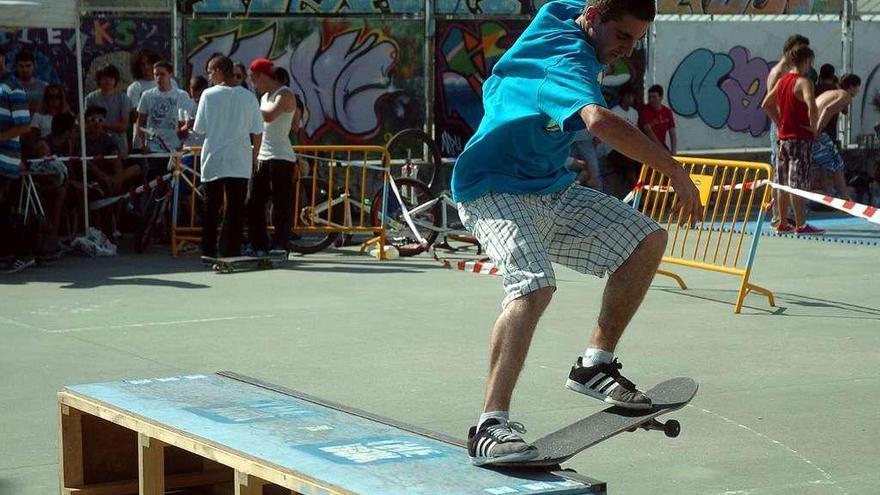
(481, 267)
(869, 213)
(100, 203)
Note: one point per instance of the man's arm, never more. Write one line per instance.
(648, 129)
(673, 141)
(256, 140)
(282, 103)
(770, 107)
(139, 136)
(14, 132)
(805, 88)
(623, 137)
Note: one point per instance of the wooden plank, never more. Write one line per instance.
(248, 485)
(70, 446)
(151, 466)
(172, 482)
(275, 474)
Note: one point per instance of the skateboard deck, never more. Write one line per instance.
(243, 263)
(563, 444)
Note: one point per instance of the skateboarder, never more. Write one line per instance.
(515, 195)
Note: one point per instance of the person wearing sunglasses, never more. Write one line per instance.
(54, 103)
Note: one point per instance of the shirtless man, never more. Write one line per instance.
(831, 103)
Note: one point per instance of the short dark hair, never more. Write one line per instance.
(108, 70)
(826, 71)
(612, 10)
(62, 123)
(24, 57)
(656, 89)
(164, 65)
(138, 59)
(850, 81)
(793, 42)
(222, 63)
(801, 54)
(281, 75)
(95, 109)
(201, 83)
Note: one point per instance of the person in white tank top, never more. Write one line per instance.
(273, 177)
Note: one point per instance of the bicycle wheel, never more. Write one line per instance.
(305, 241)
(398, 232)
(414, 155)
(143, 236)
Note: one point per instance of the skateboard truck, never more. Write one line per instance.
(670, 428)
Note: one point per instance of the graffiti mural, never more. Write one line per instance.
(715, 75)
(865, 111)
(750, 7)
(722, 89)
(105, 40)
(360, 80)
(305, 6)
(466, 53)
(476, 7)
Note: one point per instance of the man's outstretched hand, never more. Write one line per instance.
(687, 206)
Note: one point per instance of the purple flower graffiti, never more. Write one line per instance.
(746, 86)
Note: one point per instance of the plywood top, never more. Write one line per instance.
(333, 450)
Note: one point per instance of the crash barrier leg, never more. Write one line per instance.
(732, 194)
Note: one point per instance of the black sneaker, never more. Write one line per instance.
(604, 382)
(498, 441)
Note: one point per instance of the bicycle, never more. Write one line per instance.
(323, 214)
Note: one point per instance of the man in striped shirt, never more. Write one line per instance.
(15, 121)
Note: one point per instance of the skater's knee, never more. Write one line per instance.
(655, 242)
(537, 299)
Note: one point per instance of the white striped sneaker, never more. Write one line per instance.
(604, 382)
(498, 441)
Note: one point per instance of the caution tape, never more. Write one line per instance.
(867, 212)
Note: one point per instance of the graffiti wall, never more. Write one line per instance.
(477, 7)
(865, 111)
(360, 80)
(750, 7)
(465, 53)
(715, 75)
(105, 40)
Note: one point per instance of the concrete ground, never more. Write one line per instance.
(787, 406)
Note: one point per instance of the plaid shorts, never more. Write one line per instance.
(580, 228)
(825, 155)
(793, 163)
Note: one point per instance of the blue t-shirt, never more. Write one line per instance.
(532, 103)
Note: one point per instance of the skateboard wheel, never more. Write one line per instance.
(672, 428)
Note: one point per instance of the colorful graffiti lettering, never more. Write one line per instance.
(722, 89)
(466, 52)
(489, 7)
(359, 80)
(750, 7)
(105, 41)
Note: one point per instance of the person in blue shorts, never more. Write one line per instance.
(517, 198)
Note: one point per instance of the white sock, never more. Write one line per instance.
(594, 356)
(505, 415)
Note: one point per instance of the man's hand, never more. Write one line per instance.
(688, 206)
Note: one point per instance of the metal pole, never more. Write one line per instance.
(429, 68)
(82, 123)
(175, 39)
(847, 33)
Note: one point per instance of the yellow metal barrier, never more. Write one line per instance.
(354, 174)
(732, 193)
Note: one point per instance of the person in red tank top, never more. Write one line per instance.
(791, 104)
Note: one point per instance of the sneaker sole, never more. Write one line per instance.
(577, 387)
(524, 456)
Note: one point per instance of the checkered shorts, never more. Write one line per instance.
(580, 228)
(793, 163)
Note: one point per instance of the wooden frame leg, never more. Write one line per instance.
(70, 468)
(151, 466)
(248, 485)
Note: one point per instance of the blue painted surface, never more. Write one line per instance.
(838, 229)
(340, 449)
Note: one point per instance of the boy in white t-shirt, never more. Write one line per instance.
(229, 118)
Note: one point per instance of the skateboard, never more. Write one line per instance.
(561, 445)
(243, 263)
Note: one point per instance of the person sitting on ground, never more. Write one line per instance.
(791, 104)
(117, 104)
(830, 104)
(54, 103)
(107, 167)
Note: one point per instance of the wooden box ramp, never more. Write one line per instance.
(226, 433)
